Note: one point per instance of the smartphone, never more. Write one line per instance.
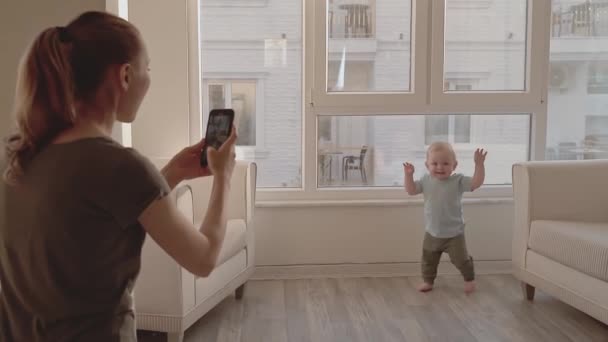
(219, 128)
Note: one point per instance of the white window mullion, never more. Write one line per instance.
(309, 121)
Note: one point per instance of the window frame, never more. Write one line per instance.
(419, 34)
(427, 98)
(535, 33)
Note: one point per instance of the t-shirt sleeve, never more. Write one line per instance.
(135, 184)
(420, 183)
(465, 183)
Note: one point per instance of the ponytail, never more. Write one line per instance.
(63, 66)
(44, 99)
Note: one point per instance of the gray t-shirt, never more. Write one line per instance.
(70, 243)
(443, 204)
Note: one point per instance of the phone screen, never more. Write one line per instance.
(219, 128)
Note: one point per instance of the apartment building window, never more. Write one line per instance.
(597, 81)
(242, 97)
(450, 128)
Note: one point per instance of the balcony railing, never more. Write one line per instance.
(588, 19)
(351, 21)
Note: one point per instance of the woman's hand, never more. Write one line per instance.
(186, 164)
(222, 161)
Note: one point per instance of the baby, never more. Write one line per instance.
(443, 191)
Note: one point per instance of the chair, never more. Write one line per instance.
(350, 163)
(170, 299)
(560, 230)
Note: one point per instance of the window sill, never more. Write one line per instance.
(372, 203)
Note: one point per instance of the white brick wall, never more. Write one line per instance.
(233, 43)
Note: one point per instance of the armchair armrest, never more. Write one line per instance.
(161, 274)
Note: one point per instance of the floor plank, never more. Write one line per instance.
(264, 317)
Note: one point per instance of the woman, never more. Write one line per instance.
(75, 206)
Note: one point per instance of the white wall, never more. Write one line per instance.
(20, 22)
(370, 234)
(162, 125)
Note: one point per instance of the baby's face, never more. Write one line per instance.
(440, 164)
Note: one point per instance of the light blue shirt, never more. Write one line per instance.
(443, 204)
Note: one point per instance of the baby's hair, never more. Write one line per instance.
(441, 146)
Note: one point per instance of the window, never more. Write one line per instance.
(597, 82)
(365, 54)
(241, 96)
(251, 61)
(488, 40)
(449, 128)
(578, 89)
(370, 117)
(369, 150)
(379, 84)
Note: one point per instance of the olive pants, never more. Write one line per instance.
(456, 248)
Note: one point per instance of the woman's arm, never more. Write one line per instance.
(195, 250)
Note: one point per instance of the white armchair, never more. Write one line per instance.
(170, 299)
(560, 240)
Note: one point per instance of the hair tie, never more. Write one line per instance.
(64, 35)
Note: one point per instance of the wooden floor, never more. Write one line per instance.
(390, 309)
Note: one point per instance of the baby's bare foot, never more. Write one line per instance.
(469, 287)
(425, 287)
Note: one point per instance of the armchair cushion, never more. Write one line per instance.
(580, 245)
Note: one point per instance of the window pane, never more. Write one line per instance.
(436, 128)
(243, 103)
(370, 150)
(462, 128)
(577, 125)
(256, 48)
(217, 99)
(485, 45)
(368, 45)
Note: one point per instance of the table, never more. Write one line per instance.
(328, 155)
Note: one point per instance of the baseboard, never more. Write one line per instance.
(402, 269)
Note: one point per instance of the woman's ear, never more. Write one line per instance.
(125, 76)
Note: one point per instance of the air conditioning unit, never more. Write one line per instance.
(559, 77)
